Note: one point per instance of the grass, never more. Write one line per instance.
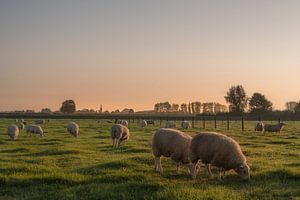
(58, 166)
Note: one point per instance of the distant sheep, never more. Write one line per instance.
(171, 143)
(170, 124)
(185, 124)
(259, 126)
(274, 127)
(73, 129)
(39, 121)
(143, 123)
(150, 122)
(13, 132)
(218, 150)
(119, 133)
(34, 129)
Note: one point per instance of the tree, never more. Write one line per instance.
(68, 107)
(297, 108)
(46, 110)
(291, 105)
(237, 99)
(259, 104)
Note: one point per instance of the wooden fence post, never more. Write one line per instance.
(243, 126)
(215, 122)
(227, 123)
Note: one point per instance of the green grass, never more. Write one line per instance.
(58, 166)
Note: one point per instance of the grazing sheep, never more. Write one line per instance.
(259, 126)
(13, 132)
(185, 124)
(21, 126)
(274, 127)
(143, 123)
(170, 124)
(150, 122)
(34, 129)
(73, 129)
(39, 121)
(119, 133)
(171, 143)
(218, 150)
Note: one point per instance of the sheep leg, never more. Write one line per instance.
(177, 167)
(113, 142)
(208, 169)
(220, 171)
(118, 143)
(194, 169)
(158, 164)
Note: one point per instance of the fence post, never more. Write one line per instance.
(243, 127)
(193, 122)
(215, 122)
(227, 123)
(279, 120)
(204, 123)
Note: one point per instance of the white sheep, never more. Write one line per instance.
(274, 127)
(170, 124)
(218, 150)
(171, 143)
(143, 123)
(34, 129)
(119, 133)
(73, 129)
(185, 124)
(13, 131)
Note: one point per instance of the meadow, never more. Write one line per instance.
(58, 166)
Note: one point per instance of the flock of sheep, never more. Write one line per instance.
(208, 148)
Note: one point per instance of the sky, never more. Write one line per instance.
(135, 53)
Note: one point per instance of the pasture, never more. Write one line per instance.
(58, 166)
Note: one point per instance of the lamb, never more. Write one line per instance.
(170, 124)
(39, 121)
(13, 131)
(119, 133)
(218, 150)
(274, 127)
(73, 129)
(259, 126)
(34, 129)
(185, 124)
(143, 123)
(171, 143)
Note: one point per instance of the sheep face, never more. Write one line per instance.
(243, 171)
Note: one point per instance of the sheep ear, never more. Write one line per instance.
(241, 166)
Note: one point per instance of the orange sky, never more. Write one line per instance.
(136, 54)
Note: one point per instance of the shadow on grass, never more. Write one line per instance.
(123, 149)
(16, 150)
(54, 152)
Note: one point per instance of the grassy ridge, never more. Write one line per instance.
(58, 166)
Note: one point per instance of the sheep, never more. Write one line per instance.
(143, 123)
(21, 126)
(150, 122)
(170, 124)
(39, 121)
(171, 143)
(34, 129)
(122, 122)
(185, 124)
(259, 126)
(73, 129)
(13, 131)
(274, 127)
(218, 150)
(119, 133)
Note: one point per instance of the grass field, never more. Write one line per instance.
(58, 166)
